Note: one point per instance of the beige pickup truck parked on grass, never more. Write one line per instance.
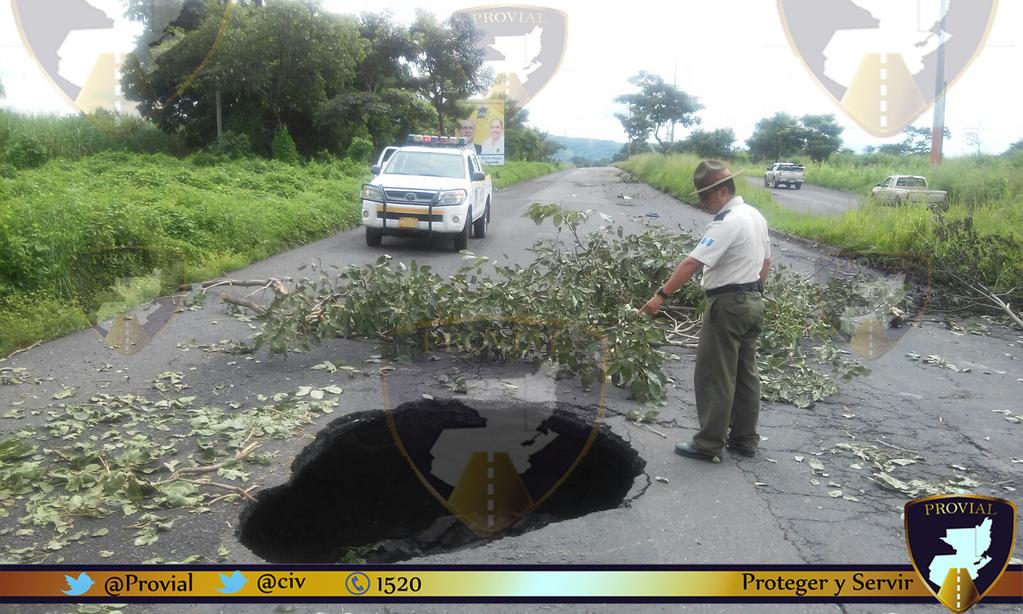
(900, 189)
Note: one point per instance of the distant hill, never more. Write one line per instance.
(591, 149)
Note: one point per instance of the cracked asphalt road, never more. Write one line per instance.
(741, 511)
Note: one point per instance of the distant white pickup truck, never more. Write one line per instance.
(900, 189)
(785, 173)
(428, 190)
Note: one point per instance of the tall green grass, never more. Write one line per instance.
(515, 171)
(75, 136)
(71, 231)
(971, 180)
(911, 233)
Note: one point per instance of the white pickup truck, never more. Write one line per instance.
(784, 173)
(428, 190)
(899, 189)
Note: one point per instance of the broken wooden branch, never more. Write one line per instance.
(239, 456)
(241, 302)
(16, 352)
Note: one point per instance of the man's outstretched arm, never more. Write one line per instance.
(683, 273)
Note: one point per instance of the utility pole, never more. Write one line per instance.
(220, 118)
(938, 128)
(674, 84)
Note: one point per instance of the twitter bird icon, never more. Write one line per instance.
(78, 586)
(232, 583)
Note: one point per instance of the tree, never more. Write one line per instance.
(657, 107)
(2, 91)
(382, 106)
(637, 127)
(917, 142)
(274, 65)
(822, 136)
(448, 64)
(777, 137)
(1017, 146)
(709, 144)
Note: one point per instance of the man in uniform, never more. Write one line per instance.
(735, 257)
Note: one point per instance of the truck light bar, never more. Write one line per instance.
(433, 140)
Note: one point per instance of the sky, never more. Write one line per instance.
(731, 54)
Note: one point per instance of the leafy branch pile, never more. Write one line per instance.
(574, 304)
(135, 457)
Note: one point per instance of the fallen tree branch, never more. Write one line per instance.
(241, 302)
(991, 299)
(239, 456)
(234, 489)
(276, 284)
(16, 352)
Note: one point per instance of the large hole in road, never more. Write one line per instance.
(432, 478)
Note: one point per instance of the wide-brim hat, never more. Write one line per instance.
(709, 174)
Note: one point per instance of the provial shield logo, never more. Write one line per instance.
(524, 45)
(960, 545)
(885, 61)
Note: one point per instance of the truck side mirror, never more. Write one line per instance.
(478, 176)
(375, 169)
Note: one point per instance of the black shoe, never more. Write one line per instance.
(687, 449)
(741, 451)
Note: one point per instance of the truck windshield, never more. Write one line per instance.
(790, 167)
(912, 182)
(427, 164)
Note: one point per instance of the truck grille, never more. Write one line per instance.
(403, 196)
(422, 217)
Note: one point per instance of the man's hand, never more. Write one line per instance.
(652, 306)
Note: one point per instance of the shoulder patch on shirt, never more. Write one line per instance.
(721, 216)
(707, 242)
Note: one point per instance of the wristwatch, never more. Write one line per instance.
(661, 293)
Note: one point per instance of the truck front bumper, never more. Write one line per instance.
(414, 219)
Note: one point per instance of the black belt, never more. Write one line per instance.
(753, 286)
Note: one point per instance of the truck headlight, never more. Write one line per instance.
(372, 192)
(452, 197)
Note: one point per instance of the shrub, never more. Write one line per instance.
(26, 152)
(284, 149)
(361, 149)
(234, 146)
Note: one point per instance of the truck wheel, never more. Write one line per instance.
(374, 237)
(799, 186)
(897, 202)
(766, 184)
(479, 227)
(462, 240)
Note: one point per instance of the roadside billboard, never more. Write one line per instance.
(485, 127)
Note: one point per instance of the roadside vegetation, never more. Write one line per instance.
(72, 228)
(514, 172)
(102, 209)
(979, 238)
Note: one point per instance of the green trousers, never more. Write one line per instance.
(727, 381)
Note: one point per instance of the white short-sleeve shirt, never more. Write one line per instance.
(734, 247)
